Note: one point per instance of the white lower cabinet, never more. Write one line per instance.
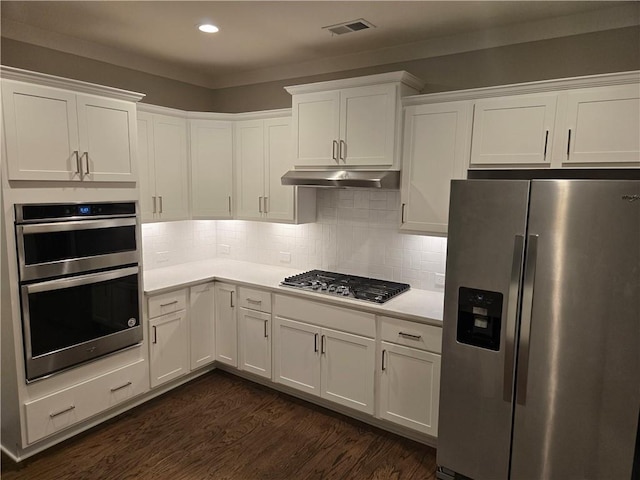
(410, 375)
(57, 411)
(254, 331)
(226, 328)
(168, 336)
(336, 365)
(201, 325)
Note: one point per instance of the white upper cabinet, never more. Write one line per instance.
(603, 125)
(164, 189)
(211, 169)
(513, 130)
(586, 122)
(353, 122)
(436, 145)
(262, 155)
(56, 134)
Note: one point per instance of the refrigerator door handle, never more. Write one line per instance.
(512, 317)
(525, 325)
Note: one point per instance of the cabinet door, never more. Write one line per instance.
(170, 154)
(41, 132)
(296, 352)
(368, 125)
(348, 369)
(254, 339)
(226, 329)
(211, 168)
(168, 347)
(146, 167)
(279, 199)
(410, 387)
(316, 128)
(603, 125)
(436, 145)
(107, 132)
(249, 158)
(513, 130)
(201, 325)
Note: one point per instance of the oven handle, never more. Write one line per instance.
(80, 280)
(75, 225)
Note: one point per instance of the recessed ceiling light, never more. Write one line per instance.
(208, 28)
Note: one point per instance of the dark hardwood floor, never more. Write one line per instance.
(223, 427)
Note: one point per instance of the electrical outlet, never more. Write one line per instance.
(439, 279)
(223, 249)
(285, 257)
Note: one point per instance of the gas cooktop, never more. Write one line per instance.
(349, 286)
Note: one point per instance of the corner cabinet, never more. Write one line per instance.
(211, 155)
(353, 122)
(262, 156)
(66, 135)
(164, 186)
(436, 145)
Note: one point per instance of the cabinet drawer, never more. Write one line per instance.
(48, 415)
(255, 299)
(411, 334)
(167, 303)
(325, 315)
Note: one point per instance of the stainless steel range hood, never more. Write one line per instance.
(389, 179)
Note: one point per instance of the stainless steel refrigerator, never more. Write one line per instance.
(541, 336)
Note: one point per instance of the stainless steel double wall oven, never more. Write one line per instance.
(79, 282)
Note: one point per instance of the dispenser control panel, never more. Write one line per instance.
(479, 318)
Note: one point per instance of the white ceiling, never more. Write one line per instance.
(273, 40)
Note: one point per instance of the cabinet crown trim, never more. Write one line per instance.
(18, 74)
(546, 86)
(391, 77)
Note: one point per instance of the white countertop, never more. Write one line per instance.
(415, 305)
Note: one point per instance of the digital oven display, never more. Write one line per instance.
(84, 209)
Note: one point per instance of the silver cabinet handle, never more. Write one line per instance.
(334, 151)
(266, 205)
(410, 336)
(546, 142)
(525, 323)
(56, 414)
(260, 204)
(343, 151)
(384, 367)
(266, 334)
(155, 210)
(322, 344)
(402, 213)
(115, 389)
(251, 300)
(315, 342)
(231, 299)
(86, 157)
(569, 144)
(167, 304)
(78, 166)
(155, 334)
(512, 317)
(229, 203)
(160, 197)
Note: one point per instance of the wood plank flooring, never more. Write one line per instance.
(223, 427)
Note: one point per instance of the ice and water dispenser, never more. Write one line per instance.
(479, 318)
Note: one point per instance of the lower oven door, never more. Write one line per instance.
(75, 319)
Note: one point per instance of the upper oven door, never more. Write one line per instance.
(62, 248)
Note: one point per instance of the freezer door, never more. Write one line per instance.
(578, 375)
(487, 224)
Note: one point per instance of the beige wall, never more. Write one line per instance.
(600, 52)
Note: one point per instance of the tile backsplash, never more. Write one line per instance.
(356, 232)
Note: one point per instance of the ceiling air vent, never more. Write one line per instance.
(350, 26)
